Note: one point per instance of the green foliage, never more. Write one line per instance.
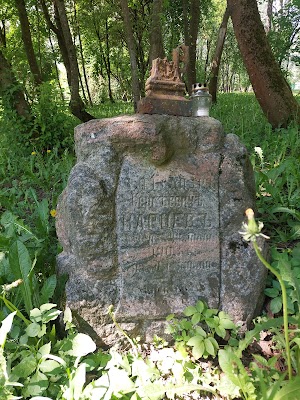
(284, 35)
(23, 255)
(52, 121)
(35, 363)
(287, 263)
(49, 126)
(197, 333)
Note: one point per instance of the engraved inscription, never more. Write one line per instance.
(168, 243)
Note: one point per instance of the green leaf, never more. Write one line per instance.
(158, 391)
(271, 292)
(82, 345)
(209, 347)
(200, 331)
(35, 315)
(25, 367)
(223, 315)
(212, 323)
(120, 381)
(236, 372)
(4, 242)
(37, 385)
(43, 216)
(169, 317)
(67, 315)
(200, 306)
(47, 307)
(6, 327)
(50, 315)
(276, 305)
(190, 310)
(198, 350)
(57, 359)
(290, 391)
(44, 350)
(227, 323)
(48, 288)
(220, 331)
(260, 359)
(196, 318)
(78, 381)
(20, 264)
(195, 340)
(33, 329)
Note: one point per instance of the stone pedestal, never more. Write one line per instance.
(149, 223)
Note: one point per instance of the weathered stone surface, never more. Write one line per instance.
(149, 223)
(152, 105)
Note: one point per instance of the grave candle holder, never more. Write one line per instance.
(201, 100)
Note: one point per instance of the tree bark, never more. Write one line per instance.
(27, 41)
(136, 91)
(76, 103)
(191, 29)
(68, 52)
(213, 83)
(81, 54)
(10, 91)
(156, 39)
(269, 14)
(271, 89)
(56, 68)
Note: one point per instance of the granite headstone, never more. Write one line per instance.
(149, 223)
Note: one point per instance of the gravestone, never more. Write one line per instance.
(149, 223)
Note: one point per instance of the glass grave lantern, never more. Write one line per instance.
(201, 100)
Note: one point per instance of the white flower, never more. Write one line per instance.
(251, 230)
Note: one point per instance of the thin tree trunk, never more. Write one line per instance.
(2, 34)
(156, 39)
(81, 55)
(132, 52)
(68, 52)
(269, 14)
(213, 83)
(27, 41)
(208, 46)
(271, 89)
(191, 29)
(106, 59)
(56, 69)
(11, 92)
(57, 30)
(110, 94)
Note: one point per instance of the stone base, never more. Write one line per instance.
(155, 105)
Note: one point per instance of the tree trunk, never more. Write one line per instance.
(110, 94)
(132, 52)
(57, 30)
(191, 29)
(56, 68)
(81, 54)
(271, 89)
(68, 52)
(269, 15)
(11, 92)
(156, 39)
(27, 40)
(213, 83)
(76, 103)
